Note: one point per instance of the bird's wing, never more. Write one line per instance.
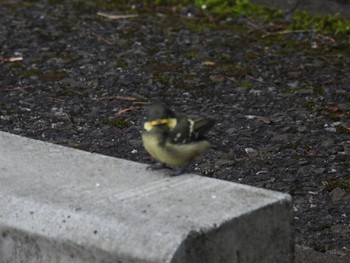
(190, 129)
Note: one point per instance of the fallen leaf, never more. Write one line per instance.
(332, 108)
(208, 63)
(265, 120)
(346, 128)
(13, 59)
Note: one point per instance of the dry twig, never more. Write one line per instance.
(13, 89)
(120, 98)
(115, 17)
(99, 37)
(128, 109)
(252, 78)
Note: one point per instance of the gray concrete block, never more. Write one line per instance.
(59, 204)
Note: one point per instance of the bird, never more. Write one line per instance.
(174, 140)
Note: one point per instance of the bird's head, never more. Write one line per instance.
(159, 115)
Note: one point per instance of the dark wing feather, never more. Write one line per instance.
(190, 129)
(202, 125)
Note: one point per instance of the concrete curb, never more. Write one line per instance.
(59, 204)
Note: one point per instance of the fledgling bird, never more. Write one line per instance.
(173, 139)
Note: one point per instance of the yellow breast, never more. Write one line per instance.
(174, 155)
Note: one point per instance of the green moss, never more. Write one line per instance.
(30, 73)
(161, 78)
(318, 90)
(54, 75)
(120, 63)
(311, 105)
(301, 20)
(325, 24)
(119, 123)
(192, 54)
(245, 84)
(343, 183)
(238, 8)
(47, 76)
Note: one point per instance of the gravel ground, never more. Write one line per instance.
(281, 101)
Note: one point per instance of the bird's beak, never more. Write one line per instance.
(159, 122)
(171, 123)
(150, 124)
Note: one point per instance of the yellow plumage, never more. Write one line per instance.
(174, 140)
(174, 155)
